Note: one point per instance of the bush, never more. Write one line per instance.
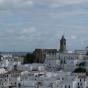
(80, 70)
(82, 64)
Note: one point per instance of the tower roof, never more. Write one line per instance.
(63, 38)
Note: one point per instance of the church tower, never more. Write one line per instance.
(62, 44)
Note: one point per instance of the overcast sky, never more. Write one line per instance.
(29, 24)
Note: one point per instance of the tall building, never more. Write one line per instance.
(62, 44)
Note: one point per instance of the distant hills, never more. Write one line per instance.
(16, 53)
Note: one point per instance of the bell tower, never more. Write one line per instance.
(62, 44)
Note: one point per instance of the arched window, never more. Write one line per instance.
(80, 80)
(81, 84)
(19, 85)
(65, 86)
(64, 62)
(69, 86)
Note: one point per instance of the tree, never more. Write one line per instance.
(80, 70)
(82, 64)
(28, 58)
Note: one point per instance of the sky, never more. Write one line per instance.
(29, 24)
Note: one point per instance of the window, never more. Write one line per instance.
(62, 78)
(65, 86)
(64, 61)
(59, 57)
(80, 80)
(81, 84)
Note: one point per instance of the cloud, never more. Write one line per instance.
(39, 26)
(58, 3)
(73, 37)
(15, 4)
(28, 31)
(67, 1)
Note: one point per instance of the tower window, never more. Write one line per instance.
(69, 86)
(65, 86)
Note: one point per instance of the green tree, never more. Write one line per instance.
(28, 58)
(80, 70)
(82, 64)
